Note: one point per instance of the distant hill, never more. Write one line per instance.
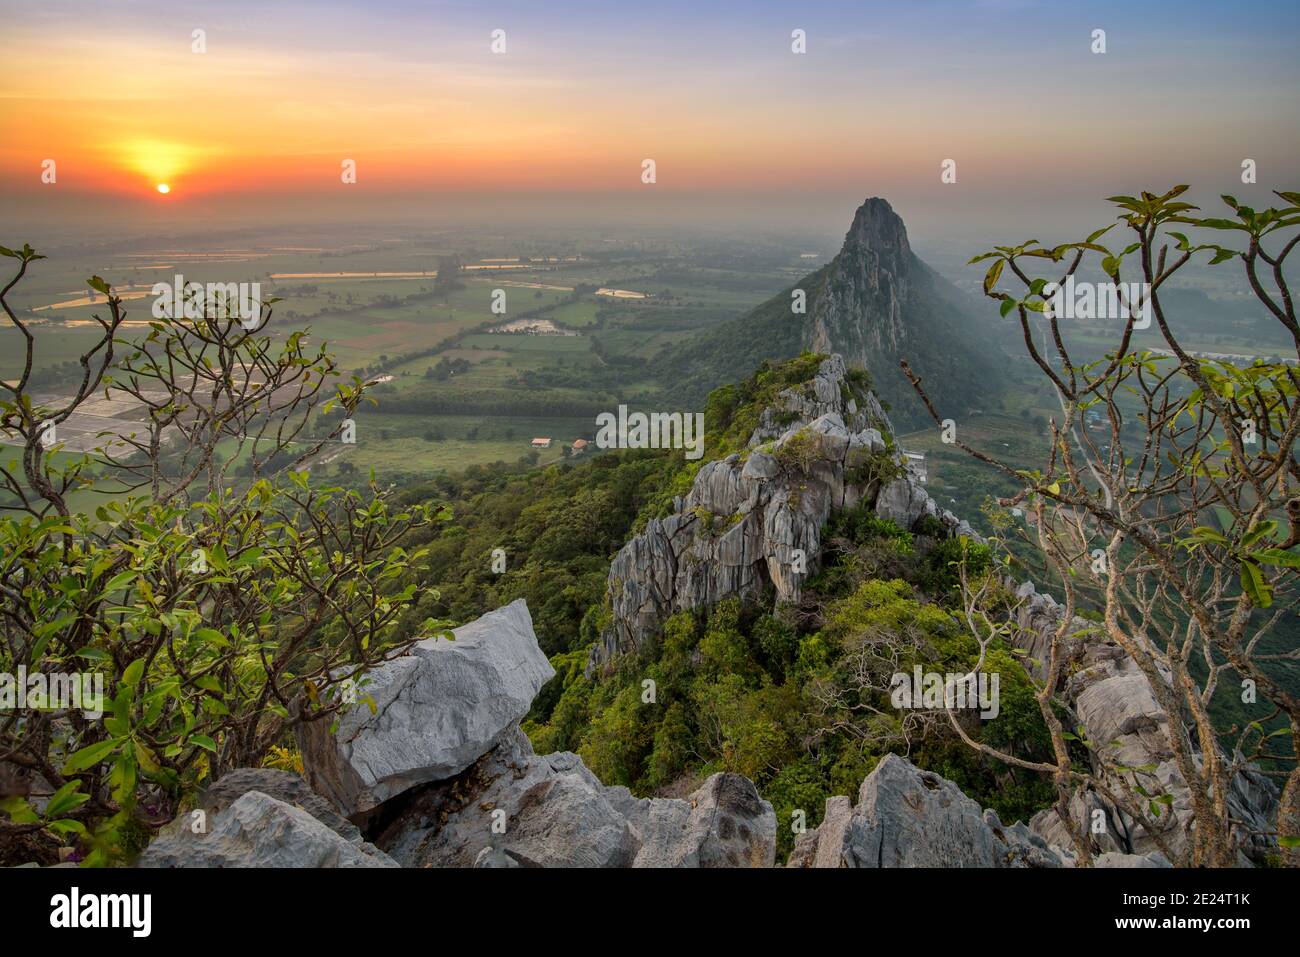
(874, 303)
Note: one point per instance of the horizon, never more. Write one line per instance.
(744, 132)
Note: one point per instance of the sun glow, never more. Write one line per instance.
(157, 160)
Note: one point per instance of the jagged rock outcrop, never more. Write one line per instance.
(724, 823)
(1118, 710)
(907, 817)
(402, 774)
(756, 520)
(283, 786)
(256, 830)
(510, 807)
(515, 808)
(437, 710)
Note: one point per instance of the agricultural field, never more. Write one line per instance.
(429, 347)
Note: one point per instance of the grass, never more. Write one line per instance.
(365, 319)
(574, 314)
(525, 343)
(392, 443)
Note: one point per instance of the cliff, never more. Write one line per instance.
(753, 520)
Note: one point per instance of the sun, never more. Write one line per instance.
(164, 188)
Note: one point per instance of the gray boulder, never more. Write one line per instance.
(724, 823)
(257, 830)
(283, 786)
(903, 501)
(907, 817)
(517, 809)
(437, 710)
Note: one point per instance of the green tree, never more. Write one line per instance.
(219, 613)
(1179, 518)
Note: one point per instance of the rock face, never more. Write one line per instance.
(256, 830)
(437, 710)
(441, 775)
(1115, 704)
(753, 521)
(518, 809)
(906, 817)
(509, 807)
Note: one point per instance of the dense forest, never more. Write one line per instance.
(764, 690)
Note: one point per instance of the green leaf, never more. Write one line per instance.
(991, 277)
(147, 759)
(212, 636)
(1253, 584)
(66, 826)
(120, 581)
(65, 799)
(214, 706)
(1277, 556)
(1258, 532)
(19, 811)
(90, 756)
(133, 673)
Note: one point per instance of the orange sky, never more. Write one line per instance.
(412, 93)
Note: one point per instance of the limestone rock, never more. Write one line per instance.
(259, 831)
(753, 522)
(903, 501)
(283, 786)
(515, 808)
(907, 817)
(437, 711)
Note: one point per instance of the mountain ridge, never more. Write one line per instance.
(875, 303)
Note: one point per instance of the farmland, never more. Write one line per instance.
(451, 391)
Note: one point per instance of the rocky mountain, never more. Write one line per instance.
(509, 807)
(433, 780)
(432, 768)
(875, 303)
(754, 520)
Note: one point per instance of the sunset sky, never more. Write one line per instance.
(711, 91)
